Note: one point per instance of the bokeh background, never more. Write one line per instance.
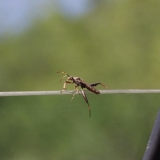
(116, 42)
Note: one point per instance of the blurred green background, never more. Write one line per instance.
(118, 44)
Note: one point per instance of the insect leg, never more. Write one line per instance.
(76, 90)
(85, 98)
(95, 84)
(64, 85)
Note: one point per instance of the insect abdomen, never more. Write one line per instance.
(92, 89)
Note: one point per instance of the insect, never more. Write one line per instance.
(80, 83)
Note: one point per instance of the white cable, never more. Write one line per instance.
(38, 93)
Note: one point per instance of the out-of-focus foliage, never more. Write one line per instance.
(118, 45)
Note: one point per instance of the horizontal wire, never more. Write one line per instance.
(39, 93)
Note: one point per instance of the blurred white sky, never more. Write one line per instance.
(16, 15)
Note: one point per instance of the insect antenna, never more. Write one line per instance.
(64, 75)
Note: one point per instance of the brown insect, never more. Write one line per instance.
(79, 82)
